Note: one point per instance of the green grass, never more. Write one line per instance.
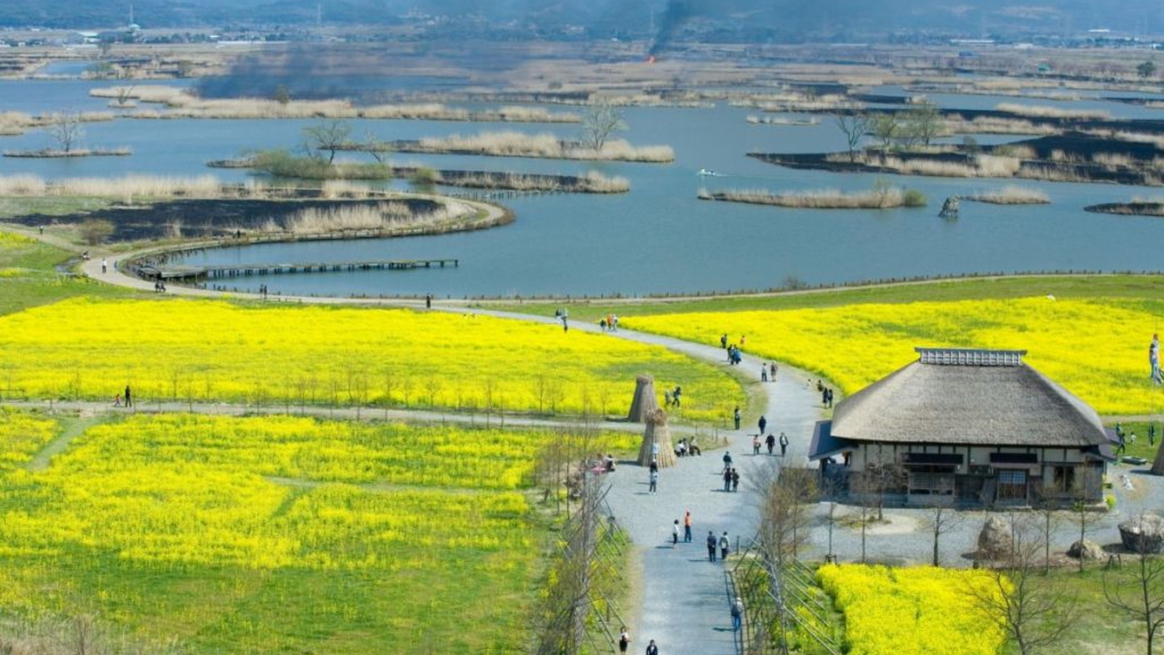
(29, 279)
(13, 206)
(1081, 286)
(1140, 447)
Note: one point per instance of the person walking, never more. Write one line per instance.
(727, 461)
(128, 398)
(727, 479)
(763, 372)
(712, 542)
(104, 265)
(654, 480)
(687, 527)
(623, 640)
(723, 341)
(756, 444)
(763, 424)
(724, 546)
(738, 613)
(652, 649)
(783, 444)
(772, 371)
(735, 480)
(770, 441)
(736, 416)
(675, 534)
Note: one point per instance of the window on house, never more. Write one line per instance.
(1064, 479)
(1012, 484)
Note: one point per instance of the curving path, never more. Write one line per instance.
(685, 606)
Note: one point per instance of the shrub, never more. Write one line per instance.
(424, 175)
(95, 231)
(914, 198)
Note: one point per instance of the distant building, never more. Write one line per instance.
(977, 427)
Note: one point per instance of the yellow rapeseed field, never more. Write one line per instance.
(199, 350)
(276, 534)
(1097, 349)
(912, 611)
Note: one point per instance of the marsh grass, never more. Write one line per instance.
(547, 146)
(47, 153)
(181, 104)
(1043, 111)
(127, 187)
(1011, 195)
(383, 217)
(881, 198)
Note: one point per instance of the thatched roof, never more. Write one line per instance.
(968, 397)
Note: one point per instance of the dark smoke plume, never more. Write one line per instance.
(677, 14)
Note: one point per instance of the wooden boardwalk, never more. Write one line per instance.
(174, 272)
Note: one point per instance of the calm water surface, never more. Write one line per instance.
(659, 238)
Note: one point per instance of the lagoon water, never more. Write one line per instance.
(659, 238)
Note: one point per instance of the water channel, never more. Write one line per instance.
(659, 238)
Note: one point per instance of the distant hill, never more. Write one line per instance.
(763, 19)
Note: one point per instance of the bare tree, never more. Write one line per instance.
(1140, 595)
(599, 122)
(942, 519)
(327, 136)
(1034, 610)
(1083, 505)
(377, 147)
(66, 129)
(1049, 517)
(854, 127)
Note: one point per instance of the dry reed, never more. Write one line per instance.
(1012, 195)
(1042, 111)
(548, 146)
(820, 199)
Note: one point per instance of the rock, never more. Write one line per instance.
(1086, 550)
(994, 541)
(1143, 533)
(949, 208)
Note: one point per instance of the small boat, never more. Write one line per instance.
(707, 172)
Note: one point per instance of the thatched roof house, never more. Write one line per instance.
(973, 425)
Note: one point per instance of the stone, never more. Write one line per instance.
(1143, 533)
(949, 208)
(994, 541)
(1086, 550)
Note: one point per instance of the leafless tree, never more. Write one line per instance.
(1050, 516)
(377, 147)
(1140, 594)
(1035, 610)
(1083, 505)
(942, 519)
(854, 127)
(599, 122)
(327, 136)
(66, 129)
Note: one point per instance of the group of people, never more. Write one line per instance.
(159, 286)
(826, 394)
(127, 401)
(671, 398)
(687, 446)
(770, 441)
(563, 316)
(609, 324)
(686, 530)
(768, 372)
(734, 356)
(624, 643)
(731, 479)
